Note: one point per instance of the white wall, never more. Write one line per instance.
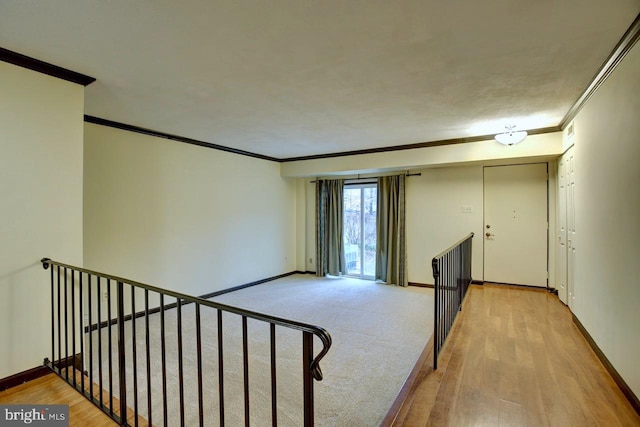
(41, 214)
(607, 149)
(184, 217)
(435, 219)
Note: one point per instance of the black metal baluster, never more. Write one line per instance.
(470, 261)
(53, 321)
(274, 404)
(466, 264)
(460, 276)
(90, 334)
(445, 307)
(99, 329)
(122, 374)
(135, 354)
(447, 288)
(164, 361)
(443, 292)
(307, 359)
(73, 327)
(463, 268)
(199, 366)
(450, 284)
(148, 351)
(109, 323)
(436, 309)
(180, 366)
(81, 302)
(220, 369)
(441, 308)
(59, 328)
(450, 293)
(440, 304)
(456, 278)
(245, 360)
(443, 301)
(66, 325)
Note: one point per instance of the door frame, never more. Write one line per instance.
(484, 220)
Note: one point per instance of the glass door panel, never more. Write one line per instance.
(370, 204)
(352, 230)
(360, 209)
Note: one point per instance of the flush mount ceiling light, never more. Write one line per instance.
(511, 136)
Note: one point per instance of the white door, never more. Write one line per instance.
(561, 243)
(516, 225)
(571, 224)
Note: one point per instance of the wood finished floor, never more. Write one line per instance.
(52, 390)
(55, 390)
(514, 358)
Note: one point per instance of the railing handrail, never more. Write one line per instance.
(318, 331)
(453, 246)
(452, 282)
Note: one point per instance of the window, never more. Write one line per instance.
(360, 211)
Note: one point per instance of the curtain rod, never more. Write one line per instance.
(371, 177)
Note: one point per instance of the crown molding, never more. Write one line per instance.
(24, 61)
(616, 56)
(428, 144)
(151, 132)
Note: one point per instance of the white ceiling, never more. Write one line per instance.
(288, 78)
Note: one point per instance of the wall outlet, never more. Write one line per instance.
(467, 209)
(105, 295)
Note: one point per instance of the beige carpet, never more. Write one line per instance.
(378, 334)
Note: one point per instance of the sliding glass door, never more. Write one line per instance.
(360, 210)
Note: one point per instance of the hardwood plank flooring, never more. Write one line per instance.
(142, 422)
(514, 358)
(52, 390)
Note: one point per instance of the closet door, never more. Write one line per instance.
(571, 224)
(561, 241)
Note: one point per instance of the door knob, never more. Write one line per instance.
(488, 234)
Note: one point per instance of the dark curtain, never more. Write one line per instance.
(329, 219)
(391, 248)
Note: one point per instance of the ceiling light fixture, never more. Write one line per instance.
(511, 136)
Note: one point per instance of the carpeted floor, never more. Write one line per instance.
(378, 333)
